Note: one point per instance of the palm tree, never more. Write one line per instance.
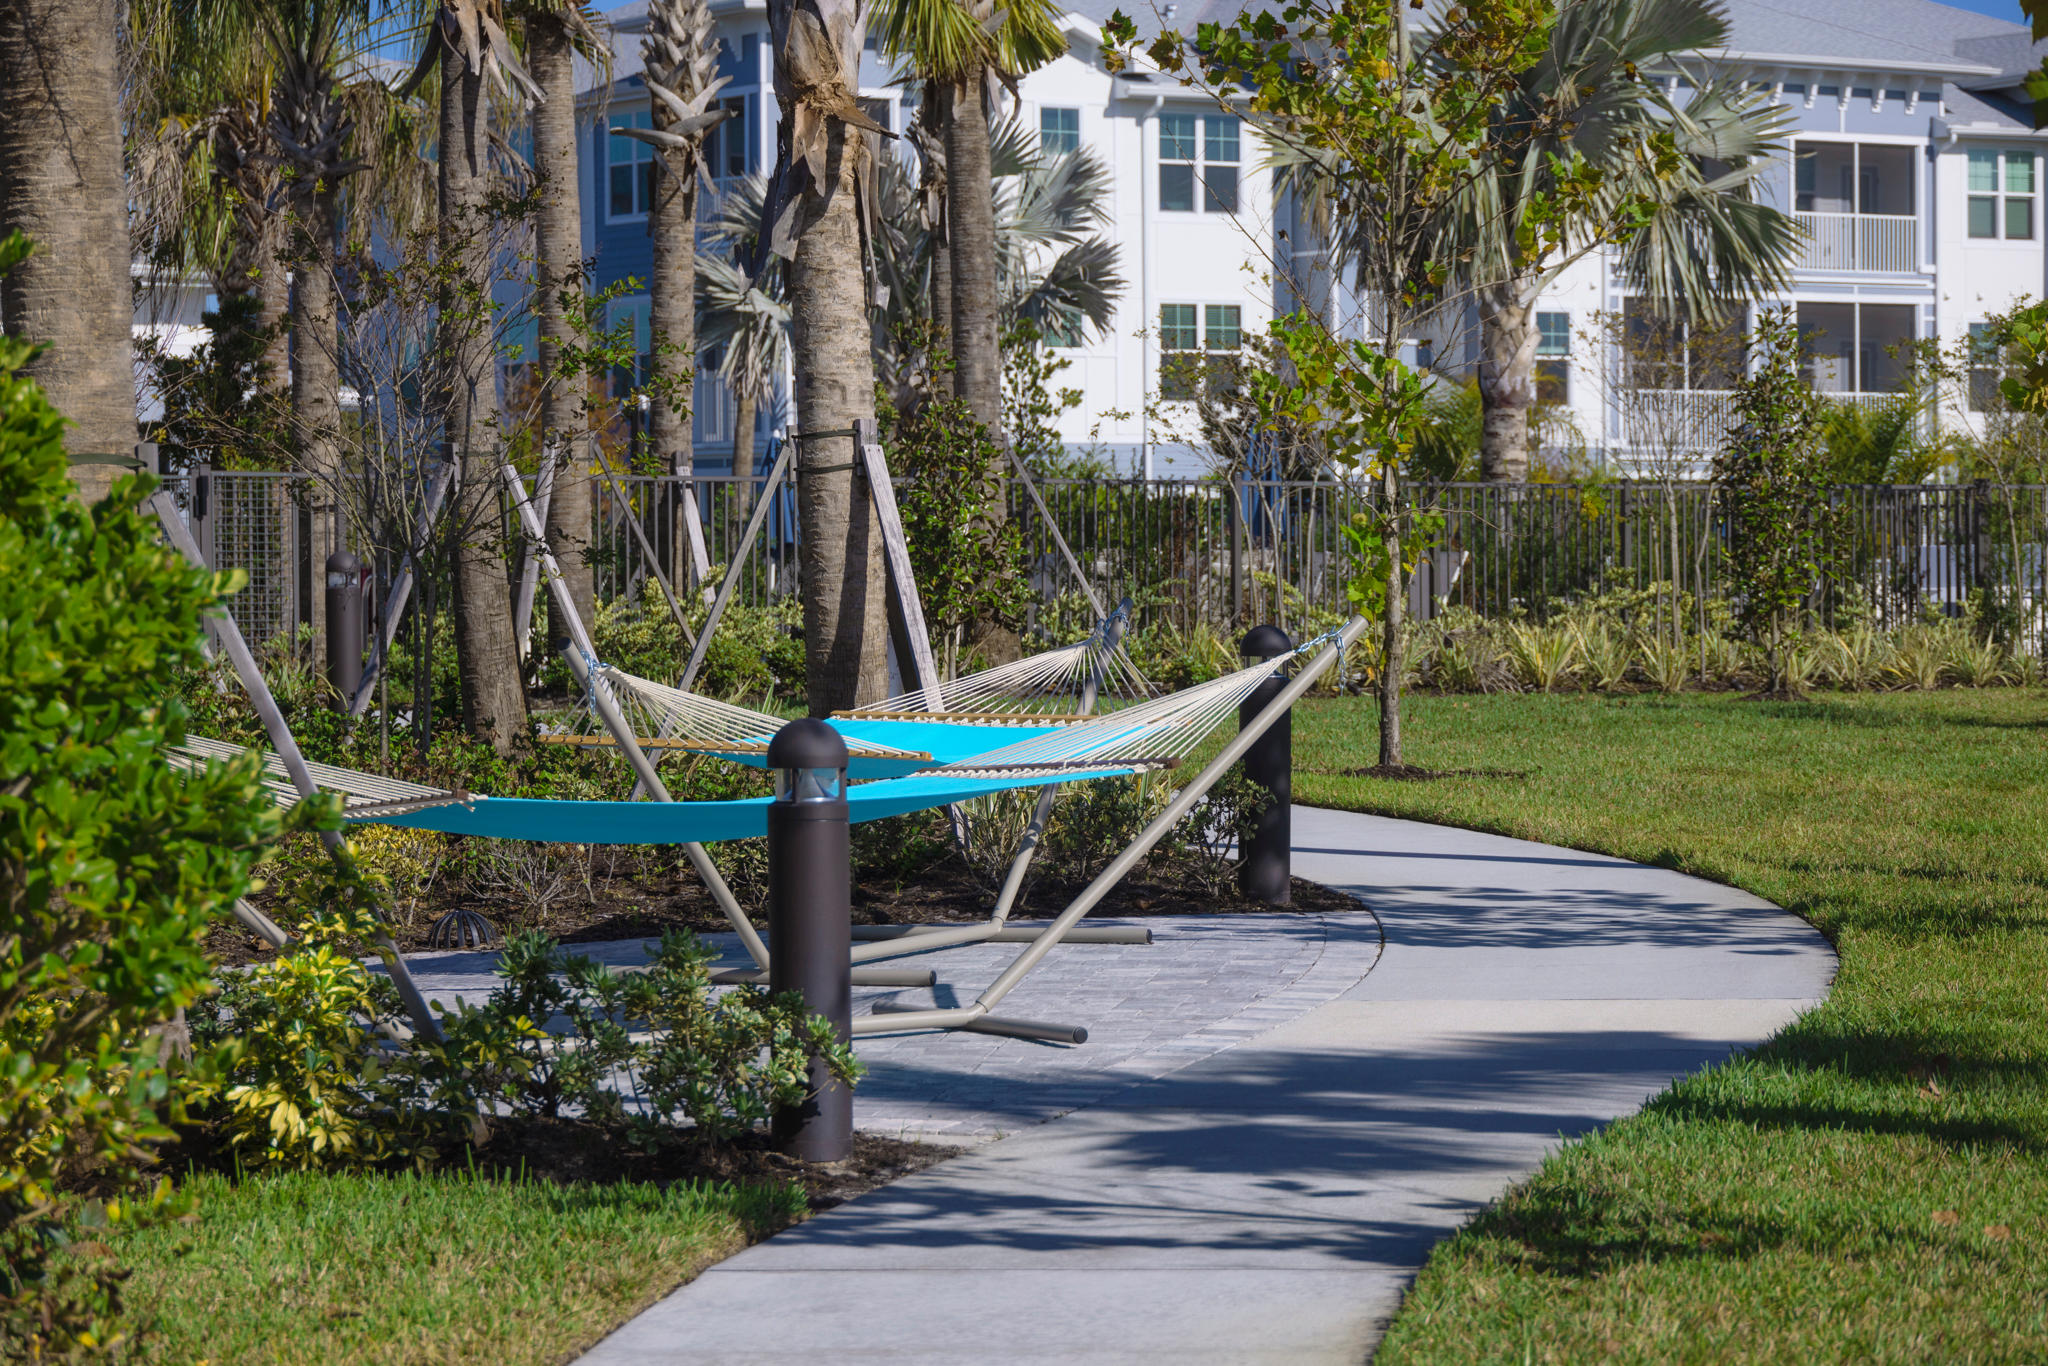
(555, 31)
(813, 219)
(467, 44)
(962, 49)
(1705, 243)
(747, 325)
(681, 64)
(1050, 266)
(61, 186)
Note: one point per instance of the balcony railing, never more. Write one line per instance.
(1673, 420)
(1860, 241)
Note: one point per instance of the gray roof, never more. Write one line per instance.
(1822, 32)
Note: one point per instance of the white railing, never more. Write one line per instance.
(1662, 421)
(1859, 241)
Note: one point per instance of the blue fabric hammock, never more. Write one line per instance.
(559, 822)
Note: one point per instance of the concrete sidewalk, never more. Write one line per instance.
(1268, 1201)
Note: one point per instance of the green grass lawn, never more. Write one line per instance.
(445, 1268)
(1872, 1184)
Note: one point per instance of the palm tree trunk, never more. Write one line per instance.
(934, 116)
(672, 319)
(493, 700)
(1507, 380)
(316, 380)
(846, 624)
(977, 352)
(558, 234)
(971, 219)
(61, 185)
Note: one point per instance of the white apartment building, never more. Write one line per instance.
(1912, 164)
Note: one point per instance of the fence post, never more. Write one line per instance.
(1234, 520)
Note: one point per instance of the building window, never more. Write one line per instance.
(1553, 357)
(2002, 194)
(1851, 177)
(1059, 131)
(631, 167)
(1210, 159)
(1222, 338)
(621, 314)
(1199, 347)
(1661, 354)
(729, 146)
(1180, 364)
(1984, 367)
(1062, 327)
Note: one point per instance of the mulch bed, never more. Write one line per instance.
(645, 907)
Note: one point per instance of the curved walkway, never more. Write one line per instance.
(1261, 1186)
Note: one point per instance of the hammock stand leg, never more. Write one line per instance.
(976, 1017)
(529, 573)
(400, 592)
(755, 521)
(574, 655)
(229, 637)
(647, 555)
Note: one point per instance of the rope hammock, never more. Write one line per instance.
(1045, 689)
(364, 796)
(1147, 735)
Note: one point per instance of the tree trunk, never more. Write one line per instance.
(970, 217)
(846, 626)
(1507, 381)
(493, 701)
(672, 318)
(977, 350)
(316, 380)
(934, 117)
(1392, 652)
(61, 185)
(558, 234)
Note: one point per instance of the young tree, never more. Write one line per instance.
(61, 186)
(1771, 478)
(1398, 122)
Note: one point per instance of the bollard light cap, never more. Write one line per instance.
(1264, 642)
(344, 562)
(807, 743)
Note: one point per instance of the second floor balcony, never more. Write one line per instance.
(1859, 241)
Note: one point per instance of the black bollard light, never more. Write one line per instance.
(1264, 861)
(344, 625)
(810, 920)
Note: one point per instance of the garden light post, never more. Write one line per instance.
(810, 920)
(345, 625)
(1263, 861)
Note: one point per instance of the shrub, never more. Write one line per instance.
(111, 864)
(721, 1060)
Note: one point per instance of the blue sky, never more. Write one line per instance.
(2003, 9)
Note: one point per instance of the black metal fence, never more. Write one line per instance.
(1224, 553)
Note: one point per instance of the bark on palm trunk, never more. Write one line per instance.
(970, 218)
(61, 184)
(934, 118)
(493, 700)
(558, 233)
(743, 452)
(846, 628)
(1507, 381)
(672, 318)
(977, 351)
(316, 380)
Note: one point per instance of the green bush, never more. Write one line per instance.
(722, 1061)
(111, 863)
